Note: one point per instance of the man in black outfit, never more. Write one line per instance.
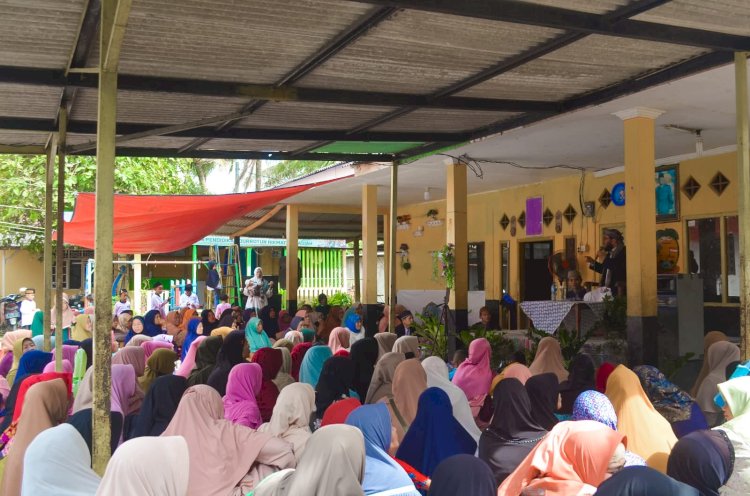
(612, 267)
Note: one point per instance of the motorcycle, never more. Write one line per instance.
(11, 310)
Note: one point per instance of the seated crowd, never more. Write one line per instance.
(240, 403)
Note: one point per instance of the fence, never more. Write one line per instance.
(322, 272)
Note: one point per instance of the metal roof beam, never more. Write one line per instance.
(226, 154)
(519, 12)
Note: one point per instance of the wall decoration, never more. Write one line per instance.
(558, 222)
(605, 198)
(618, 194)
(403, 222)
(513, 226)
(719, 183)
(504, 221)
(570, 213)
(667, 251)
(419, 232)
(534, 216)
(403, 252)
(666, 181)
(522, 220)
(691, 187)
(548, 217)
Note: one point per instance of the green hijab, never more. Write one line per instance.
(37, 325)
(736, 393)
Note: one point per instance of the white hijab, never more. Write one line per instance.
(437, 376)
(58, 462)
(290, 420)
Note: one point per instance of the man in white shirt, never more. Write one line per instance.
(28, 308)
(123, 304)
(156, 302)
(188, 299)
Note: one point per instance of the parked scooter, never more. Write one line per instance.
(10, 311)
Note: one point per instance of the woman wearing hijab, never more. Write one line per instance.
(703, 460)
(256, 336)
(267, 315)
(474, 375)
(137, 324)
(437, 376)
(294, 337)
(643, 481)
(719, 355)
(649, 434)
(32, 362)
(240, 403)
(353, 323)
(82, 327)
(409, 382)
(574, 458)
(381, 385)
(407, 346)
(45, 406)
(152, 324)
(37, 324)
(383, 476)
(602, 376)
(123, 388)
(205, 360)
(385, 340)
(148, 466)
(581, 379)
(549, 359)
(68, 317)
(188, 363)
(312, 364)
(463, 474)
(514, 370)
(20, 347)
(212, 441)
(708, 340)
(339, 340)
(364, 355)
(131, 355)
(290, 420)
(233, 351)
(283, 377)
(333, 463)
(149, 347)
(270, 361)
(333, 320)
(61, 475)
(671, 402)
(159, 406)
(513, 431)
(298, 355)
(543, 394)
(335, 383)
(434, 435)
(209, 322)
(283, 321)
(339, 411)
(736, 396)
(192, 328)
(26, 384)
(160, 363)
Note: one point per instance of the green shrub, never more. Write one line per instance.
(340, 299)
(432, 334)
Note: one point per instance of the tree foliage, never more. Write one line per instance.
(291, 169)
(23, 177)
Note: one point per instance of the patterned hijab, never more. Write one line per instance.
(672, 402)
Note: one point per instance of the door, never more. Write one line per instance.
(535, 277)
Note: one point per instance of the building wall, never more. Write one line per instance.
(19, 268)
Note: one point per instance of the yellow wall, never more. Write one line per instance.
(486, 210)
(22, 269)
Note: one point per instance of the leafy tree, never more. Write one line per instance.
(22, 187)
(291, 169)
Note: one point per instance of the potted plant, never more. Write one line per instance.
(444, 265)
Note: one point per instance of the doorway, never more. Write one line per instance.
(535, 277)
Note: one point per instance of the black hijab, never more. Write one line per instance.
(364, 355)
(229, 355)
(227, 318)
(81, 420)
(581, 378)
(270, 324)
(205, 360)
(643, 481)
(334, 383)
(512, 433)
(543, 391)
(462, 474)
(702, 459)
(159, 406)
(87, 345)
(208, 326)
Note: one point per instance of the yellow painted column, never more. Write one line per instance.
(292, 263)
(370, 257)
(387, 255)
(640, 232)
(357, 271)
(456, 234)
(743, 168)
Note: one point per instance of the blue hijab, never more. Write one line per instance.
(382, 473)
(255, 339)
(350, 322)
(312, 364)
(435, 434)
(192, 334)
(130, 333)
(32, 362)
(149, 325)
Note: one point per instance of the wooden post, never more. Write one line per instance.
(743, 166)
(457, 235)
(390, 246)
(48, 213)
(357, 285)
(138, 284)
(60, 246)
(292, 263)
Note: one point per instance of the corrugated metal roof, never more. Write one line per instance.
(442, 120)
(39, 33)
(723, 16)
(259, 145)
(29, 101)
(590, 6)
(17, 138)
(420, 52)
(591, 63)
(291, 115)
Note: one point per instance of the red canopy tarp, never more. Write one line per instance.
(163, 224)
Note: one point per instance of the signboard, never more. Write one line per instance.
(260, 242)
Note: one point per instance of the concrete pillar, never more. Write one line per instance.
(292, 263)
(370, 308)
(357, 275)
(743, 167)
(640, 229)
(48, 213)
(456, 234)
(60, 247)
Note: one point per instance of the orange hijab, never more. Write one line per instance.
(649, 434)
(572, 456)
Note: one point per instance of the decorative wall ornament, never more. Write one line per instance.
(570, 213)
(513, 226)
(522, 220)
(504, 221)
(403, 222)
(558, 222)
(548, 217)
(419, 232)
(691, 187)
(403, 252)
(667, 182)
(605, 198)
(719, 183)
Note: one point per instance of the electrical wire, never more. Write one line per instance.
(23, 208)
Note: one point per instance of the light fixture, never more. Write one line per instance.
(427, 195)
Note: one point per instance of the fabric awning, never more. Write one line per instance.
(163, 224)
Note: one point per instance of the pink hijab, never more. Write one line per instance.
(517, 371)
(338, 339)
(68, 352)
(123, 387)
(474, 375)
(189, 362)
(132, 355)
(243, 386)
(66, 367)
(150, 346)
